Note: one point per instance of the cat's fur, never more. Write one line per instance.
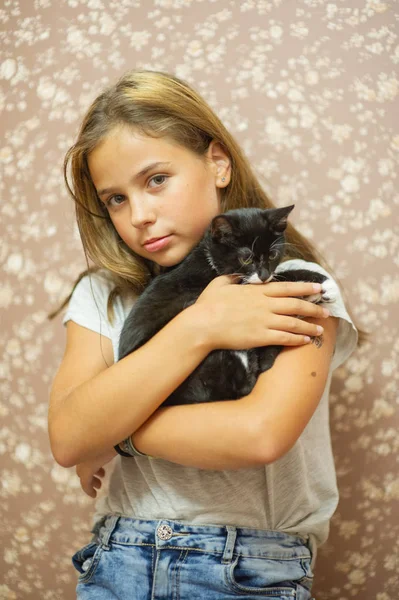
(246, 235)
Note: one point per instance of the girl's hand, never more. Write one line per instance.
(91, 471)
(237, 317)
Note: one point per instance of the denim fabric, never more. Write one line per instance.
(138, 559)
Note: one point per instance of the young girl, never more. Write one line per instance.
(240, 493)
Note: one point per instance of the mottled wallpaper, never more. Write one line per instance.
(310, 89)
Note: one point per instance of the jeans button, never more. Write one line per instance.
(164, 532)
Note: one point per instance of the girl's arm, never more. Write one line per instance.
(91, 405)
(254, 430)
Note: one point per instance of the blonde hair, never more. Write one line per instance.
(156, 104)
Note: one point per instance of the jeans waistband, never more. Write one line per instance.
(226, 539)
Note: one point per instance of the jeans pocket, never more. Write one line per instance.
(274, 578)
(86, 560)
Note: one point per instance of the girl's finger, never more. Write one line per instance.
(290, 288)
(297, 307)
(296, 326)
(284, 338)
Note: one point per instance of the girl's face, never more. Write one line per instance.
(175, 200)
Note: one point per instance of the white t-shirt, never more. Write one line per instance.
(296, 494)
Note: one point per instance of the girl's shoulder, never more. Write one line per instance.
(88, 305)
(95, 286)
(347, 334)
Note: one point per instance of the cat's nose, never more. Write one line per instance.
(264, 274)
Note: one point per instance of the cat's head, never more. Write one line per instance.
(248, 242)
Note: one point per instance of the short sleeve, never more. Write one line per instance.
(347, 334)
(88, 305)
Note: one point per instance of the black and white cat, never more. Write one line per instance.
(249, 242)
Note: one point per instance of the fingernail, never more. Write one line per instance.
(317, 287)
(320, 329)
(326, 312)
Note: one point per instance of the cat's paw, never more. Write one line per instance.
(328, 293)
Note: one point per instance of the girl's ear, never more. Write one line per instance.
(220, 160)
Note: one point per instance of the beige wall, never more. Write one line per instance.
(310, 90)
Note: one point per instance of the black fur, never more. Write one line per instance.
(231, 236)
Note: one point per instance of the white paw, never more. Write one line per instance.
(316, 298)
(329, 291)
(328, 294)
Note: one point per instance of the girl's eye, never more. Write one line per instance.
(163, 177)
(109, 201)
(117, 197)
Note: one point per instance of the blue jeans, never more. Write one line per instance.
(138, 559)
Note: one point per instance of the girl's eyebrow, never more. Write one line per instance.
(142, 172)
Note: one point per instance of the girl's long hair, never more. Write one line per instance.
(157, 104)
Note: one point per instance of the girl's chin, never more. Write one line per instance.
(170, 258)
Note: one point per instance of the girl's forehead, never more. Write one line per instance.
(123, 150)
(124, 135)
(124, 145)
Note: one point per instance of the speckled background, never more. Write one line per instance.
(310, 90)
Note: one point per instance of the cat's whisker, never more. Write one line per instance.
(276, 247)
(252, 249)
(290, 245)
(276, 242)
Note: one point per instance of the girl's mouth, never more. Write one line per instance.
(158, 244)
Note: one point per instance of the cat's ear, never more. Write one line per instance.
(278, 218)
(221, 228)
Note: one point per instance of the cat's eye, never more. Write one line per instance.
(246, 261)
(273, 254)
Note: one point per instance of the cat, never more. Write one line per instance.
(249, 242)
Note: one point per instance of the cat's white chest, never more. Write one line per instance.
(254, 278)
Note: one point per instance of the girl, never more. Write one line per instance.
(240, 493)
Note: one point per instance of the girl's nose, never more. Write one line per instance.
(141, 214)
